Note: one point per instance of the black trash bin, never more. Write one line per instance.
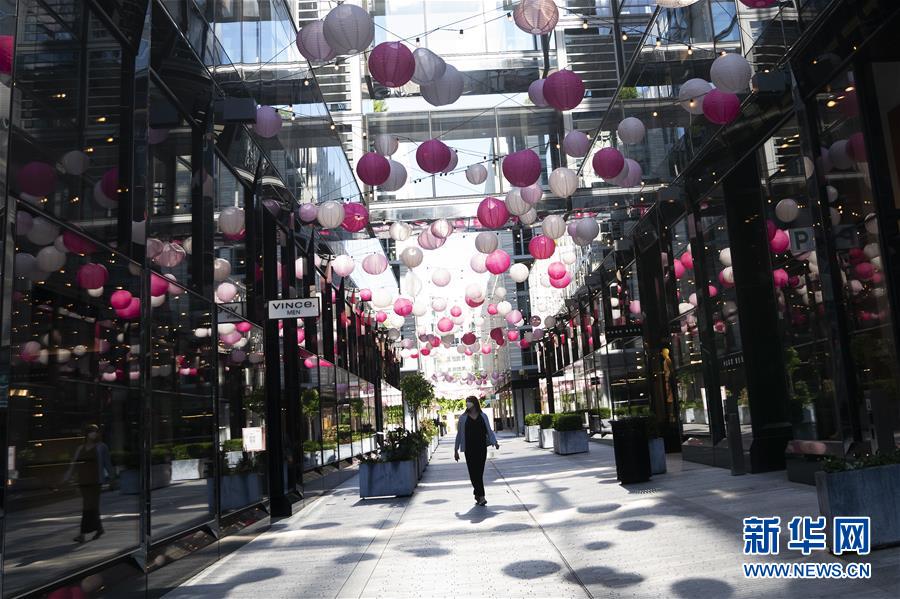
(631, 449)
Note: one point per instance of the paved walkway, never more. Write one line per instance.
(556, 526)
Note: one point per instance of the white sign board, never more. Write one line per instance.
(253, 439)
(294, 308)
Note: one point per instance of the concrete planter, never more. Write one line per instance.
(387, 479)
(657, 455)
(422, 461)
(694, 416)
(187, 469)
(130, 480)
(744, 412)
(533, 433)
(872, 492)
(569, 442)
(546, 440)
(237, 490)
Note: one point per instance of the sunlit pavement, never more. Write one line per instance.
(555, 526)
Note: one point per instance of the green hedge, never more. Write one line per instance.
(604, 413)
(532, 419)
(569, 422)
(547, 420)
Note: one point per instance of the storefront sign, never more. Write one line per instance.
(629, 330)
(253, 439)
(732, 360)
(294, 308)
(802, 240)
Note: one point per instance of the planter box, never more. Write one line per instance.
(872, 492)
(546, 441)
(233, 457)
(569, 442)
(130, 480)
(237, 490)
(657, 455)
(188, 469)
(422, 461)
(744, 412)
(387, 479)
(533, 433)
(694, 416)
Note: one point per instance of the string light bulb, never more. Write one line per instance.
(461, 33)
(624, 37)
(509, 16)
(658, 42)
(584, 24)
(690, 50)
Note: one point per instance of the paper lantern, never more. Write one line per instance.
(438, 304)
(587, 229)
(444, 90)
(725, 257)
(840, 155)
(721, 107)
(518, 273)
(308, 212)
(692, 93)
(522, 168)
(631, 131)
(391, 64)
(537, 17)
(556, 270)
(375, 264)
(331, 214)
(515, 204)
(553, 226)
(473, 291)
(403, 307)
(780, 278)
(50, 259)
(312, 44)
(562, 282)
(856, 148)
(348, 29)
(396, 179)
(608, 163)
(37, 179)
(476, 174)
(576, 144)
(445, 325)
(73, 242)
(779, 242)
(7, 43)
(120, 299)
(568, 257)
(677, 268)
(486, 242)
(441, 228)
(441, 277)
(563, 182)
(412, 257)
(514, 317)
(529, 218)
(492, 213)
(563, 90)
(400, 231)
(630, 176)
(428, 241)
(231, 220)
(492, 309)
(541, 247)
(268, 122)
(386, 144)
(373, 169)
(221, 269)
(787, 210)
(356, 217)
(429, 67)
(731, 73)
(226, 292)
(454, 160)
(536, 93)
(532, 193)
(75, 162)
(477, 263)
(456, 311)
(497, 262)
(433, 156)
(92, 276)
(42, 231)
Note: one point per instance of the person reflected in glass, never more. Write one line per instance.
(473, 436)
(91, 467)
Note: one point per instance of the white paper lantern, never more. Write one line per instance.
(231, 220)
(268, 122)
(382, 298)
(50, 259)
(504, 308)
(42, 232)
(693, 90)
(445, 90)
(518, 272)
(787, 210)
(386, 144)
(477, 263)
(631, 131)
(500, 293)
(832, 194)
(576, 144)
(375, 264)
(429, 66)
(441, 277)
(486, 242)
(839, 155)
(728, 274)
(411, 285)
(412, 257)
(731, 73)
(400, 231)
(312, 44)
(835, 215)
(441, 228)
(563, 182)
(553, 226)
(76, 162)
(343, 265)
(474, 291)
(98, 292)
(515, 204)
(348, 29)
(871, 223)
(568, 257)
(529, 218)
(725, 257)
(438, 304)
(476, 174)
(587, 229)
(331, 213)
(454, 161)
(537, 17)
(397, 179)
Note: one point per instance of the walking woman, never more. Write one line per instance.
(473, 436)
(91, 467)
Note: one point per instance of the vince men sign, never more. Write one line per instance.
(294, 308)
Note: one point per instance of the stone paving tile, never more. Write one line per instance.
(555, 526)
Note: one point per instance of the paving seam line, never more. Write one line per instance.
(543, 532)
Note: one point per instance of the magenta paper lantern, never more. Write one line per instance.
(132, 311)
(687, 260)
(576, 144)
(109, 184)
(392, 64)
(779, 242)
(365, 295)
(864, 270)
(432, 156)
(6, 54)
(780, 278)
(562, 282)
(721, 107)
(445, 325)
(564, 90)
(425, 351)
(522, 168)
(403, 307)
(536, 93)
(120, 299)
(497, 262)
(537, 17)
(158, 285)
(492, 309)
(243, 327)
(373, 169)
(608, 163)
(469, 338)
(380, 316)
(771, 228)
(77, 244)
(541, 247)
(92, 276)
(308, 212)
(268, 122)
(523, 343)
(492, 213)
(512, 335)
(758, 3)
(37, 179)
(556, 270)
(356, 217)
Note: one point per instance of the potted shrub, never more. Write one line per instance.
(865, 486)
(392, 471)
(418, 393)
(532, 427)
(546, 441)
(189, 460)
(569, 435)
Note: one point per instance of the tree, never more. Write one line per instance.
(417, 393)
(309, 405)
(450, 406)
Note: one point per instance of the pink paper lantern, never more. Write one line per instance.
(92, 276)
(678, 268)
(497, 262)
(771, 228)
(403, 307)
(576, 144)
(373, 169)
(243, 327)
(429, 241)
(374, 264)
(308, 212)
(392, 64)
(712, 290)
(132, 311)
(492, 309)
(536, 93)
(356, 217)
(541, 247)
(721, 107)
(37, 179)
(380, 316)
(865, 271)
(556, 270)
(365, 295)
(522, 168)
(445, 325)
(77, 244)
(514, 317)
(456, 311)
(486, 348)
(779, 242)
(432, 156)
(564, 90)
(537, 17)
(687, 260)
(492, 213)
(523, 344)
(158, 285)
(561, 283)
(608, 163)
(532, 194)
(512, 335)
(780, 278)
(120, 299)
(268, 123)
(474, 302)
